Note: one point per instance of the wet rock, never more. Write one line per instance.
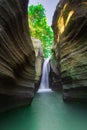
(70, 47)
(54, 76)
(17, 56)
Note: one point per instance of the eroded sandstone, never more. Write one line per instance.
(70, 47)
(17, 56)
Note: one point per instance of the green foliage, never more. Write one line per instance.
(39, 27)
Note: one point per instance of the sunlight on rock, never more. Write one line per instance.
(62, 24)
(69, 16)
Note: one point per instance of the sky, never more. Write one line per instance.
(49, 5)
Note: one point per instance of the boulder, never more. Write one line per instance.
(17, 56)
(70, 47)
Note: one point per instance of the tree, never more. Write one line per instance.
(39, 27)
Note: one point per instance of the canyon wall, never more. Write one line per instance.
(17, 56)
(70, 48)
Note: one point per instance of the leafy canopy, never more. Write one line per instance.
(39, 27)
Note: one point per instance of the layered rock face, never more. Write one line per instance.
(17, 56)
(39, 60)
(70, 47)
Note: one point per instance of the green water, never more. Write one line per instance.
(47, 112)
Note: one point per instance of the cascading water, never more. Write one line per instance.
(44, 85)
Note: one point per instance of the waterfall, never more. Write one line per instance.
(44, 85)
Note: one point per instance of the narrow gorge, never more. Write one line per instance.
(21, 60)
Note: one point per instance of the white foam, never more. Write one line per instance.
(44, 90)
